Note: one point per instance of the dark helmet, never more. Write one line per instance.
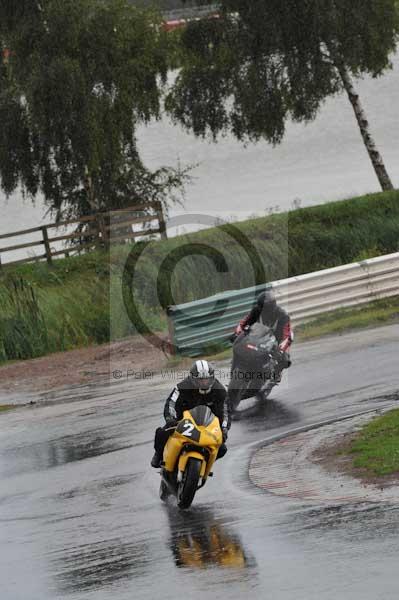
(202, 375)
(267, 301)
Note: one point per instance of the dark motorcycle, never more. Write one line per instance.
(255, 352)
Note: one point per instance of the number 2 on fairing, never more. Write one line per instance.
(188, 429)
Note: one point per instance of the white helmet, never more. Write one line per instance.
(203, 376)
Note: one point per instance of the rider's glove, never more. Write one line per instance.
(236, 333)
(238, 330)
(283, 359)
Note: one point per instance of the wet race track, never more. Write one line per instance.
(81, 518)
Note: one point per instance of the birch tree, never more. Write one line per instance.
(263, 62)
(76, 79)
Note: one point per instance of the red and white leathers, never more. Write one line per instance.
(279, 321)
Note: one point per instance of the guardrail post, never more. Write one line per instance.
(46, 245)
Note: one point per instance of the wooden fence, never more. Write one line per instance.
(94, 231)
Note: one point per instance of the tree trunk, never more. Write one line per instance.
(369, 142)
(91, 199)
(88, 185)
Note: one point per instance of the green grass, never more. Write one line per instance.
(5, 407)
(78, 301)
(379, 312)
(39, 318)
(222, 355)
(376, 449)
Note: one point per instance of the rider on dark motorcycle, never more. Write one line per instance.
(267, 312)
(200, 388)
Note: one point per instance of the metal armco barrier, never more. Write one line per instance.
(196, 326)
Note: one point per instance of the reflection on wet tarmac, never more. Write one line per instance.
(198, 541)
(261, 416)
(54, 453)
(360, 520)
(98, 565)
(98, 489)
(97, 529)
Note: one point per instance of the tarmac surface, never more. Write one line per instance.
(295, 467)
(80, 516)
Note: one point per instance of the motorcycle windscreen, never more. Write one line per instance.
(251, 349)
(260, 334)
(202, 415)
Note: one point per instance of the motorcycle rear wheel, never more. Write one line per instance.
(189, 485)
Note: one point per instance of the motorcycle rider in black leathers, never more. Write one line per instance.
(267, 311)
(200, 388)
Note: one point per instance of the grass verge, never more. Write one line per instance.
(379, 312)
(6, 407)
(376, 449)
(80, 301)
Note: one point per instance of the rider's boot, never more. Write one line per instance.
(156, 460)
(276, 375)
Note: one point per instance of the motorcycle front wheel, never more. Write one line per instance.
(265, 392)
(189, 485)
(237, 389)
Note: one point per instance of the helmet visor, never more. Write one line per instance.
(204, 382)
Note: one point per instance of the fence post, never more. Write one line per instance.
(161, 220)
(101, 229)
(47, 245)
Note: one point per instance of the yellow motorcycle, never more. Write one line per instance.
(189, 455)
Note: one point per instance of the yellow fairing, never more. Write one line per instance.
(210, 437)
(192, 454)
